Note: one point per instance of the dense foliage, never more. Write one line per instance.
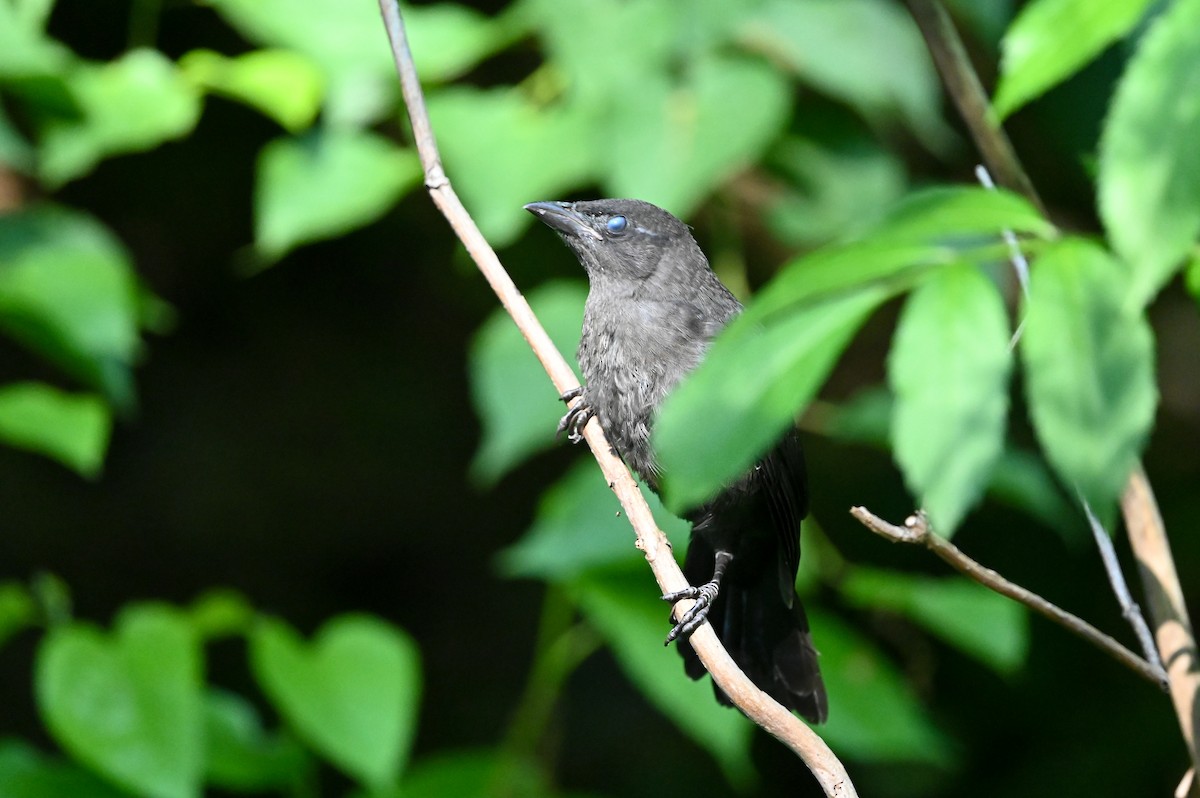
(811, 142)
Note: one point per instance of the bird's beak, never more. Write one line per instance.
(563, 217)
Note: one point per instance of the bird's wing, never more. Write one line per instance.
(783, 482)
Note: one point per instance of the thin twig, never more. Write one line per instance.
(1164, 599)
(916, 530)
(1129, 608)
(757, 705)
(964, 88)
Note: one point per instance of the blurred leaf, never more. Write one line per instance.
(241, 755)
(515, 401)
(70, 428)
(283, 84)
(625, 608)
(324, 184)
(1089, 364)
(128, 704)
(1149, 182)
(579, 527)
(16, 153)
(475, 773)
(1037, 56)
(220, 613)
(1193, 278)
(68, 291)
(131, 104)
(17, 610)
(831, 188)
(448, 39)
(758, 375)
(25, 49)
(928, 228)
(27, 773)
(502, 152)
(949, 368)
(352, 694)
(866, 53)
(968, 616)
(678, 142)
(1021, 479)
(873, 715)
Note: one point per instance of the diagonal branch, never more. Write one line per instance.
(757, 705)
(916, 530)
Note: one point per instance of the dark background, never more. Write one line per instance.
(303, 436)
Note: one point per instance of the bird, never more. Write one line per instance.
(654, 307)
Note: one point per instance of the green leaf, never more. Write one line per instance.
(131, 104)
(67, 290)
(27, 773)
(241, 755)
(128, 705)
(625, 608)
(1089, 363)
(968, 616)
(1022, 480)
(1035, 55)
(949, 369)
(928, 228)
(866, 53)
(17, 609)
(579, 527)
(874, 715)
(464, 773)
(221, 613)
(1149, 182)
(324, 184)
(473, 126)
(352, 694)
(70, 428)
(515, 402)
(448, 39)
(678, 142)
(756, 377)
(25, 49)
(283, 84)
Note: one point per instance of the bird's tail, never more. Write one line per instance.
(769, 640)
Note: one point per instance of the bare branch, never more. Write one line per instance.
(758, 706)
(916, 530)
(1164, 597)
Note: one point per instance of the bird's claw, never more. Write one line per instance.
(698, 614)
(577, 416)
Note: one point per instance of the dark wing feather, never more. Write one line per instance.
(782, 480)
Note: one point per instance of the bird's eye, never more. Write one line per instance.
(616, 224)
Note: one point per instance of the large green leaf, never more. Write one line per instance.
(866, 53)
(1035, 55)
(677, 141)
(625, 607)
(1149, 183)
(131, 104)
(128, 705)
(516, 403)
(67, 290)
(480, 773)
(579, 528)
(352, 694)
(503, 151)
(949, 369)
(1089, 364)
(72, 429)
(283, 84)
(755, 379)
(326, 183)
(983, 624)
(873, 714)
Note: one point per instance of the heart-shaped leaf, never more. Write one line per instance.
(128, 704)
(352, 694)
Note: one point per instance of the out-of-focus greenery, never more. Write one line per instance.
(820, 120)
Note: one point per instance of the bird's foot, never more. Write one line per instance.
(698, 614)
(577, 416)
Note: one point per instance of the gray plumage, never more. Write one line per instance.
(653, 309)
